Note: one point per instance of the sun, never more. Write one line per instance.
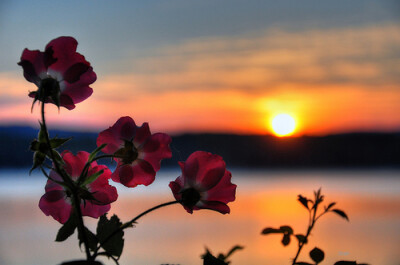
(283, 125)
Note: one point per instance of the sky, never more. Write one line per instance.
(215, 66)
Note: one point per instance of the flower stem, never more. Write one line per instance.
(68, 181)
(130, 223)
(310, 227)
(87, 165)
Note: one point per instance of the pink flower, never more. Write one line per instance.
(204, 184)
(61, 74)
(138, 152)
(57, 201)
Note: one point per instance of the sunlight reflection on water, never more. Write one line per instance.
(264, 198)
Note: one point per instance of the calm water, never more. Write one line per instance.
(264, 198)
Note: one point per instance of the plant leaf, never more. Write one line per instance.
(67, 229)
(95, 152)
(81, 262)
(105, 228)
(234, 249)
(330, 206)
(303, 200)
(286, 240)
(341, 213)
(301, 238)
(38, 159)
(270, 230)
(57, 142)
(317, 255)
(92, 177)
(286, 229)
(91, 238)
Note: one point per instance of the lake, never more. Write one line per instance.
(265, 198)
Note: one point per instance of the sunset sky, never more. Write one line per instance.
(215, 66)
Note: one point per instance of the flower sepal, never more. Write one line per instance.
(41, 148)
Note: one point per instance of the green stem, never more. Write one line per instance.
(66, 179)
(87, 165)
(130, 223)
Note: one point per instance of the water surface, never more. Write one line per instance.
(371, 198)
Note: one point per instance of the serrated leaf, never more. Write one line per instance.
(301, 238)
(57, 142)
(341, 213)
(105, 228)
(317, 255)
(67, 229)
(91, 238)
(95, 152)
(286, 240)
(286, 229)
(270, 230)
(303, 201)
(92, 177)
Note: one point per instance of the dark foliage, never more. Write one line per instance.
(345, 150)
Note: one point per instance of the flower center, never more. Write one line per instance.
(190, 197)
(128, 153)
(49, 87)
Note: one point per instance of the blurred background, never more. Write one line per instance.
(295, 95)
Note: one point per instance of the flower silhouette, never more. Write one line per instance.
(204, 184)
(61, 74)
(57, 199)
(137, 151)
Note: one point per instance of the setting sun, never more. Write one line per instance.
(283, 125)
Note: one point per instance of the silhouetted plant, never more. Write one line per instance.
(221, 259)
(314, 214)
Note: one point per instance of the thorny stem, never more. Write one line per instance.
(130, 223)
(75, 196)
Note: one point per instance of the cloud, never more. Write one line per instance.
(364, 55)
(331, 80)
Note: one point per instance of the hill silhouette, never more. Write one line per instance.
(264, 151)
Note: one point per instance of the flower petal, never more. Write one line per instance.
(94, 210)
(75, 164)
(214, 205)
(102, 191)
(157, 148)
(141, 135)
(33, 64)
(140, 173)
(224, 191)
(53, 203)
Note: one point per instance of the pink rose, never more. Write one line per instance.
(138, 152)
(204, 184)
(57, 200)
(61, 74)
